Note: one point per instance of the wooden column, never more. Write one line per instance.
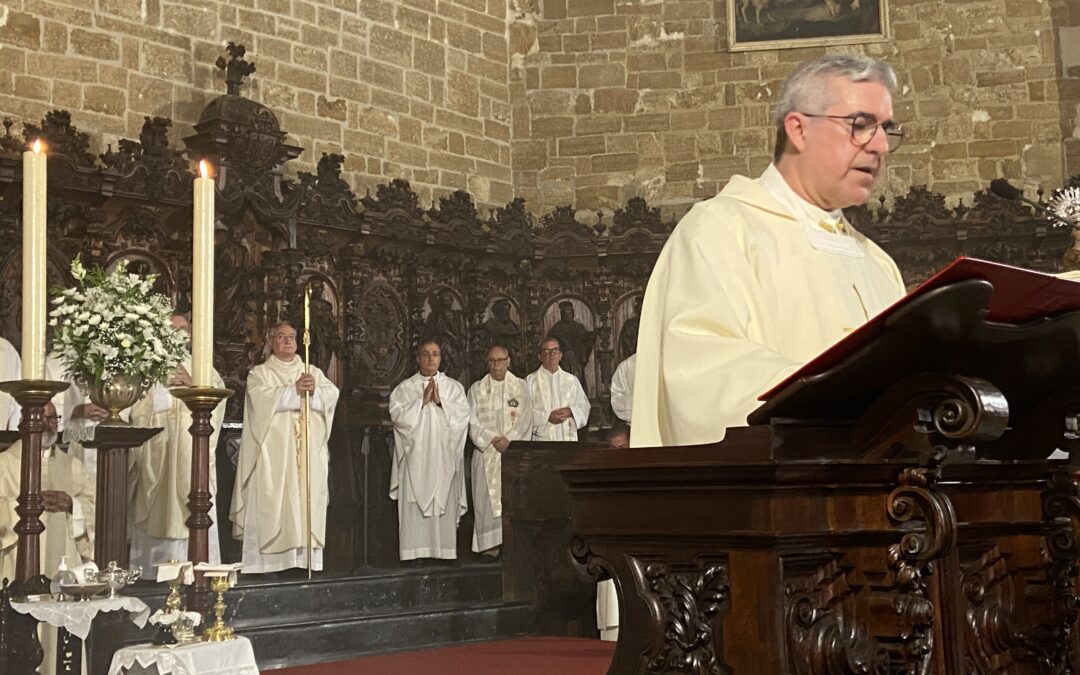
(201, 401)
(19, 639)
(110, 522)
(110, 518)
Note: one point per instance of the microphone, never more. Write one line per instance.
(1006, 190)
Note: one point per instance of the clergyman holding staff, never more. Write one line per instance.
(269, 507)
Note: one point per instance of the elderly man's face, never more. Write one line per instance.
(283, 342)
(428, 358)
(550, 355)
(498, 362)
(837, 172)
(619, 441)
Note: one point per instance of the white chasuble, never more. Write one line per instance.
(550, 391)
(269, 509)
(159, 478)
(743, 294)
(499, 408)
(427, 473)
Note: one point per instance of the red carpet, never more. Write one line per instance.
(525, 656)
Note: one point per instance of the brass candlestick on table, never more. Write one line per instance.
(219, 632)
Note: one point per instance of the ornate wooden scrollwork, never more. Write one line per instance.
(951, 411)
(993, 642)
(684, 604)
(929, 519)
(1057, 643)
(826, 632)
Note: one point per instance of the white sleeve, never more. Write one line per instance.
(580, 405)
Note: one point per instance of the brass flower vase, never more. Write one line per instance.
(115, 395)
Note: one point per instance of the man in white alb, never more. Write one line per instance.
(269, 506)
(159, 471)
(500, 414)
(427, 477)
(763, 277)
(559, 404)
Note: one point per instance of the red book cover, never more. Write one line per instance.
(1020, 295)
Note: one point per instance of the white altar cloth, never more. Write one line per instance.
(76, 617)
(234, 657)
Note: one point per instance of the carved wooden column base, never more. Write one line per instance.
(201, 401)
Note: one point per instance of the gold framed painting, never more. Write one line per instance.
(780, 24)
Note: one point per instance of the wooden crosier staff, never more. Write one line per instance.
(307, 419)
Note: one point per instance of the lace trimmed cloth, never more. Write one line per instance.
(76, 617)
(234, 657)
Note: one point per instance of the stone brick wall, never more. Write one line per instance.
(620, 98)
(584, 102)
(405, 88)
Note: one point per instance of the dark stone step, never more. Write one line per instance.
(298, 622)
(386, 590)
(305, 643)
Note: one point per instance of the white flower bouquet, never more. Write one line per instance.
(112, 325)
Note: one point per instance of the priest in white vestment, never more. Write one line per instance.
(269, 509)
(159, 471)
(622, 389)
(500, 414)
(10, 369)
(559, 404)
(68, 492)
(427, 477)
(763, 277)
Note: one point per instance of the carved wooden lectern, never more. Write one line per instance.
(892, 512)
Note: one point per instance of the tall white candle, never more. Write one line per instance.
(202, 301)
(34, 304)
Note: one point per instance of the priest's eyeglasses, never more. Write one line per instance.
(498, 361)
(864, 127)
(285, 338)
(551, 351)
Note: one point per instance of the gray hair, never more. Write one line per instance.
(805, 88)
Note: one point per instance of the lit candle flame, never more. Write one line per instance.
(38, 146)
(204, 168)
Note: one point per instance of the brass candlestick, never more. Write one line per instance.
(219, 632)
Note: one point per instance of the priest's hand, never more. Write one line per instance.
(90, 412)
(181, 378)
(429, 392)
(305, 383)
(559, 415)
(500, 443)
(435, 393)
(55, 501)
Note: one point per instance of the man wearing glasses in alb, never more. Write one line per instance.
(761, 278)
